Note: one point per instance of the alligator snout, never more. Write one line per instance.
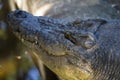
(20, 14)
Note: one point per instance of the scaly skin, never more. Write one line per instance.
(78, 50)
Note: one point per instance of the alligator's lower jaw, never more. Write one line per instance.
(70, 72)
(66, 71)
(62, 67)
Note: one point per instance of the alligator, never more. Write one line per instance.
(86, 49)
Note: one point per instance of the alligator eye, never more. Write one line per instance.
(89, 44)
(20, 14)
(85, 39)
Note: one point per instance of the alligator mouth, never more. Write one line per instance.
(32, 41)
(35, 43)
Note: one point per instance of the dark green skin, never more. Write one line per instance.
(79, 50)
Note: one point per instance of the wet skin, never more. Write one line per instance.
(77, 50)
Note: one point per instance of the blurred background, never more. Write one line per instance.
(15, 59)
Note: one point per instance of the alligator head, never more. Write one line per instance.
(78, 50)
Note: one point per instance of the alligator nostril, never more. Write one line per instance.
(20, 14)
